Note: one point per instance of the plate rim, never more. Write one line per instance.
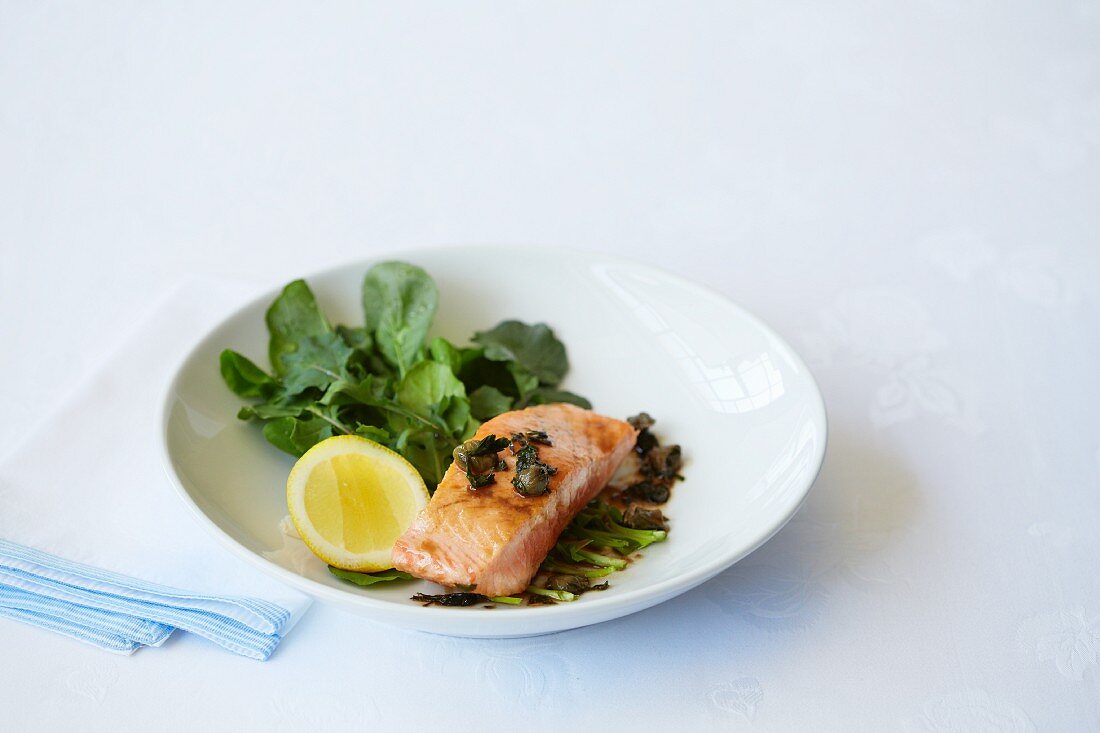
(631, 600)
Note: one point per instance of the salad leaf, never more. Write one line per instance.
(547, 395)
(356, 338)
(431, 390)
(292, 317)
(244, 377)
(427, 388)
(487, 402)
(384, 380)
(508, 378)
(368, 579)
(399, 302)
(370, 432)
(535, 348)
(429, 451)
(317, 362)
(445, 352)
(525, 381)
(270, 411)
(295, 435)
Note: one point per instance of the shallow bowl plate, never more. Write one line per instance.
(719, 381)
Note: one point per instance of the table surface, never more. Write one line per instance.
(908, 192)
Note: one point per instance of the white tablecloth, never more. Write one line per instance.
(911, 193)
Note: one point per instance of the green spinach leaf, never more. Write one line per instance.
(445, 352)
(297, 435)
(506, 377)
(244, 377)
(431, 390)
(270, 411)
(292, 317)
(317, 362)
(487, 402)
(399, 302)
(546, 395)
(535, 348)
(427, 386)
(377, 434)
(356, 338)
(430, 451)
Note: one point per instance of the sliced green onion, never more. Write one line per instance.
(607, 539)
(597, 558)
(510, 600)
(557, 595)
(565, 568)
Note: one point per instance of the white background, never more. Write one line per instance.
(909, 191)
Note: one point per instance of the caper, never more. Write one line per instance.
(469, 446)
(460, 452)
(468, 458)
(481, 464)
(531, 481)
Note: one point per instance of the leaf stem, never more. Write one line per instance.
(334, 423)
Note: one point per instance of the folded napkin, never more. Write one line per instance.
(93, 542)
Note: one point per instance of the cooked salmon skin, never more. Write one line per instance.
(494, 539)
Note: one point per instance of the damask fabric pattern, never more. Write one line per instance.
(940, 576)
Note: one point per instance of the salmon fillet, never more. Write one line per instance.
(495, 539)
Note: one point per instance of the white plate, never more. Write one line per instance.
(721, 383)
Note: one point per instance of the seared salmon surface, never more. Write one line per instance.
(494, 539)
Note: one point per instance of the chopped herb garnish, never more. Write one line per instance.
(477, 480)
(538, 436)
(464, 598)
(450, 599)
(526, 456)
(490, 445)
(479, 459)
(532, 475)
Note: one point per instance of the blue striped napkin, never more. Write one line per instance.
(121, 613)
(93, 542)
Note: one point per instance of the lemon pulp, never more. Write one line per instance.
(351, 498)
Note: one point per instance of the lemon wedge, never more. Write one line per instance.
(351, 498)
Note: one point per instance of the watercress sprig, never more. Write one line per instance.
(385, 380)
